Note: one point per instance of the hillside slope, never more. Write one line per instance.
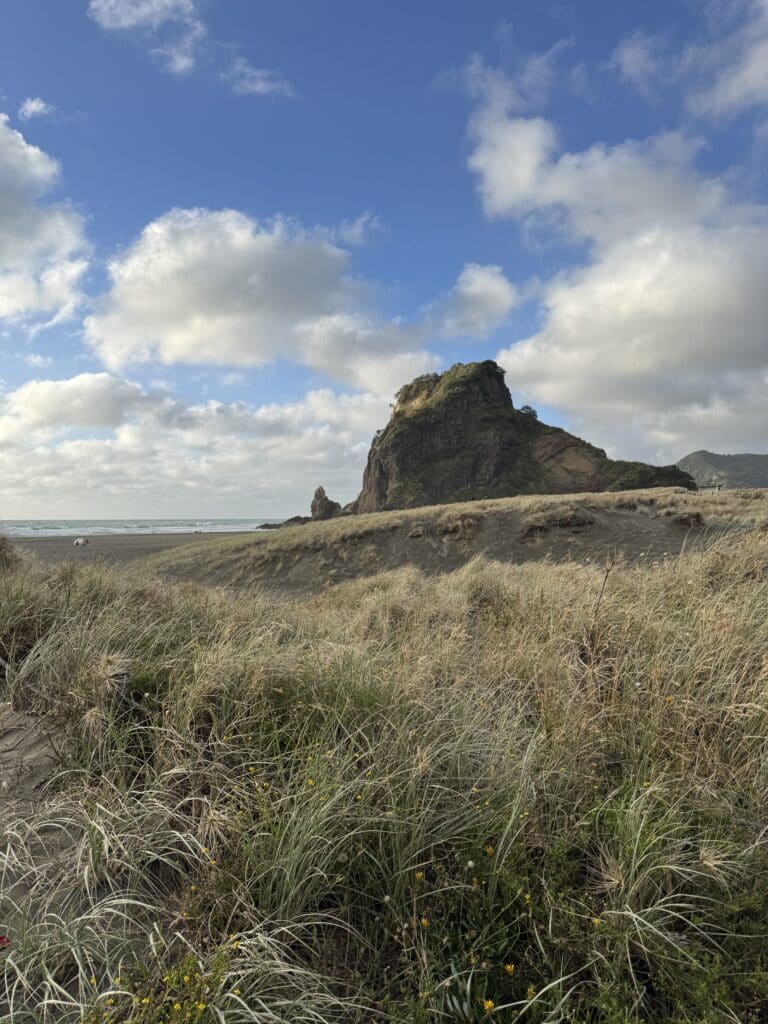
(637, 525)
(709, 469)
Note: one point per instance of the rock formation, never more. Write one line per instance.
(323, 507)
(711, 470)
(456, 436)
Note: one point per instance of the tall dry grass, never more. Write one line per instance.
(532, 793)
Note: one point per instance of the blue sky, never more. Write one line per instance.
(230, 230)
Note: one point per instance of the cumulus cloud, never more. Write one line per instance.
(246, 80)
(42, 245)
(480, 302)
(100, 443)
(655, 345)
(202, 286)
(88, 400)
(34, 106)
(602, 193)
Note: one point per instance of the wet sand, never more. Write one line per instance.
(112, 548)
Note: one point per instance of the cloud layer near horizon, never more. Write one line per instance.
(150, 454)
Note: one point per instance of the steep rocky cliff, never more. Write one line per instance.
(710, 469)
(456, 436)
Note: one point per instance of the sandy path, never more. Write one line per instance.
(26, 759)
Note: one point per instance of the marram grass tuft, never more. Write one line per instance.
(530, 793)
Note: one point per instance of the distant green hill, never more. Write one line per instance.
(709, 469)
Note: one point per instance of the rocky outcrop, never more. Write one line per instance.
(323, 507)
(456, 436)
(709, 469)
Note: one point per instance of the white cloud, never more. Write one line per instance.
(655, 345)
(174, 23)
(721, 73)
(603, 193)
(38, 360)
(127, 14)
(734, 65)
(42, 246)
(88, 400)
(34, 106)
(154, 455)
(246, 80)
(640, 62)
(481, 301)
(202, 286)
(356, 232)
(178, 35)
(526, 87)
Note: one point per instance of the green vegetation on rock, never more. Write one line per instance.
(456, 436)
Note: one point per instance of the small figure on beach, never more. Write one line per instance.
(81, 542)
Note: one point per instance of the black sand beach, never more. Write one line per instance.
(112, 548)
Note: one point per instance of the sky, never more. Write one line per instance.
(230, 230)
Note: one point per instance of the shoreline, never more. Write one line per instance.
(114, 548)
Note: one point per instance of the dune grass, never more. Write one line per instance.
(747, 508)
(530, 793)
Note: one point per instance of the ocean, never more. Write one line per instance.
(102, 527)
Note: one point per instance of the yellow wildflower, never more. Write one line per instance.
(489, 850)
(419, 876)
(531, 992)
(509, 968)
(488, 1005)
(425, 922)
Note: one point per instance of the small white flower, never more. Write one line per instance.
(387, 899)
(470, 864)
